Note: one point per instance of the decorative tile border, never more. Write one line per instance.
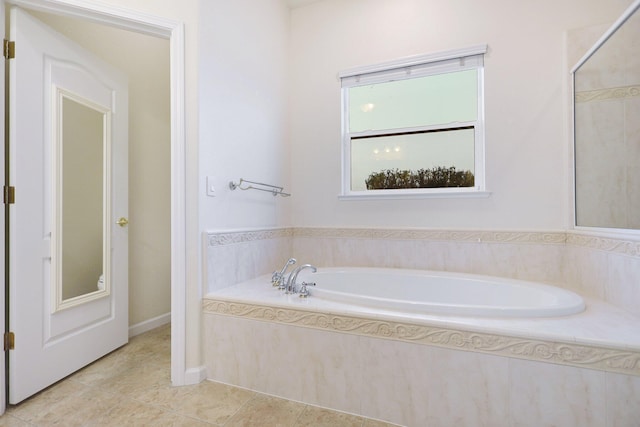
(474, 236)
(615, 245)
(233, 237)
(564, 353)
(607, 94)
(607, 244)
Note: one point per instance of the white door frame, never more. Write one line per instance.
(173, 31)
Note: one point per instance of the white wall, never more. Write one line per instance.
(525, 91)
(243, 110)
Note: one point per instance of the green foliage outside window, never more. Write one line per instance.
(438, 177)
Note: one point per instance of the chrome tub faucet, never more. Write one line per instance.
(291, 287)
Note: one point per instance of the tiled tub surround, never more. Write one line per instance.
(236, 256)
(594, 265)
(429, 370)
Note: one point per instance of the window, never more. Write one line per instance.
(414, 127)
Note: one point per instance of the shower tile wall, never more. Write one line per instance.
(233, 257)
(604, 267)
(526, 261)
(622, 287)
(598, 266)
(607, 99)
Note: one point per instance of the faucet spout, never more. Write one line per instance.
(291, 283)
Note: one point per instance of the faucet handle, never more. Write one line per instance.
(304, 292)
(275, 278)
(278, 276)
(281, 284)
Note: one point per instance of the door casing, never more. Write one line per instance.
(158, 27)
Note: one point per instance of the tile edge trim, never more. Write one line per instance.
(562, 353)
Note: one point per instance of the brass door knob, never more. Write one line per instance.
(122, 222)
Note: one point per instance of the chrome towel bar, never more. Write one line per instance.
(252, 185)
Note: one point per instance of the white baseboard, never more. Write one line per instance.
(195, 375)
(147, 325)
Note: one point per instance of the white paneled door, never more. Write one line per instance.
(68, 302)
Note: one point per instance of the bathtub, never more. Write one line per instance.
(418, 336)
(419, 291)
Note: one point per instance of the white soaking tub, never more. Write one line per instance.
(421, 291)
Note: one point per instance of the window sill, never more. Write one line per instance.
(413, 194)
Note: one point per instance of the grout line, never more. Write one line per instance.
(295, 422)
(254, 397)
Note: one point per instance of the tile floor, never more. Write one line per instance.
(131, 387)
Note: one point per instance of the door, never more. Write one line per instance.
(68, 302)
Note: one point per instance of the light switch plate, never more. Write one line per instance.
(211, 189)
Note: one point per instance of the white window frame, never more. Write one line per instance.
(412, 67)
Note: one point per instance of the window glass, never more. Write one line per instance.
(422, 101)
(381, 156)
(415, 126)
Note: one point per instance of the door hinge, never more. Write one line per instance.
(9, 341)
(9, 195)
(9, 49)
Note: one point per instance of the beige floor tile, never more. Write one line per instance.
(146, 376)
(166, 395)
(132, 413)
(319, 417)
(109, 366)
(182, 421)
(150, 344)
(267, 411)
(154, 345)
(214, 402)
(43, 406)
(375, 423)
(81, 409)
(9, 421)
(163, 419)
